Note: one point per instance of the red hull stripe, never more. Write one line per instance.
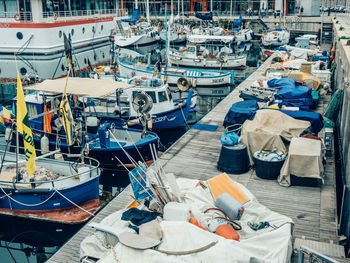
(55, 24)
(69, 215)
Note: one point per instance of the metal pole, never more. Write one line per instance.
(183, 15)
(321, 33)
(231, 8)
(147, 11)
(211, 5)
(166, 31)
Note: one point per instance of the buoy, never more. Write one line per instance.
(44, 144)
(17, 17)
(226, 31)
(8, 134)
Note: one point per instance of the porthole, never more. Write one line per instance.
(93, 29)
(23, 71)
(60, 33)
(83, 30)
(103, 55)
(101, 27)
(85, 61)
(72, 31)
(19, 35)
(63, 67)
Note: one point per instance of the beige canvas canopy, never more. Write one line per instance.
(96, 88)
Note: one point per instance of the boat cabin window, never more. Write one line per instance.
(152, 94)
(162, 96)
(191, 49)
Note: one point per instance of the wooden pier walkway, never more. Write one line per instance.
(195, 155)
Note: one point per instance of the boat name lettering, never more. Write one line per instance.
(28, 138)
(218, 80)
(163, 118)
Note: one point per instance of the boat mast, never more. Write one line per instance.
(183, 15)
(147, 11)
(136, 5)
(166, 33)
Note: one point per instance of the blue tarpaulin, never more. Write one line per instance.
(292, 95)
(240, 112)
(205, 16)
(238, 22)
(133, 18)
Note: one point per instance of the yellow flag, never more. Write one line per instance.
(67, 116)
(23, 127)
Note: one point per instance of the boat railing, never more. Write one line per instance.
(52, 16)
(80, 161)
(314, 256)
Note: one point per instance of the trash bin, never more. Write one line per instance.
(234, 159)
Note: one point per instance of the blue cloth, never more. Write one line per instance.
(138, 217)
(133, 18)
(240, 112)
(238, 22)
(137, 178)
(229, 139)
(314, 118)
(205, 127)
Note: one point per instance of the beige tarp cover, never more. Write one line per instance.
(303, 160)
(270, 129)
(87, 87)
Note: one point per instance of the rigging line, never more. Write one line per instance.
(183, 115)
(143, 160)
(133, 161)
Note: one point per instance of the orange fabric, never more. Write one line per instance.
(196, 223)
(223, 184)
(227, 231)
(47, 120)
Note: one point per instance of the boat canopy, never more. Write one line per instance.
(204, 16)
(95, 88)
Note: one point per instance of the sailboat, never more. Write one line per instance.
(42, 188)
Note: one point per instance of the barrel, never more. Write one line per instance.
(267, 169)
(234, 159)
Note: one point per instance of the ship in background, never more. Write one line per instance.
(32, 36)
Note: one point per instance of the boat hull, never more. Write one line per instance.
(232, 63)
(142, 40)
(51, 205)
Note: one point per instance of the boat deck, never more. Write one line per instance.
(195, 155)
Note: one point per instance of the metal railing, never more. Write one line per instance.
(313, 256)
(10, 17)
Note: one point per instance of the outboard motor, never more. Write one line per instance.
(104, 136)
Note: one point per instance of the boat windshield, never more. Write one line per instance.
(139, 82)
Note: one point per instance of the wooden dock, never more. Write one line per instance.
(195, 155)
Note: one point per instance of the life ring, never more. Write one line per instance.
(226, 31)
(17, 17)
(55, 16)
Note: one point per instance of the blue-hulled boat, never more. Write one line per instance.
(110, 144)
(164, 114)
(60, 191)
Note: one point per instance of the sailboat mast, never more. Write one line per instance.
(147, 11)
(183, 15)
(166, 31)
(136, 5)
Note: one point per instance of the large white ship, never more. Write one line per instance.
(31, 35)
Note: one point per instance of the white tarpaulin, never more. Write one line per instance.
(304, 160)
(265, 245)
(269, 130)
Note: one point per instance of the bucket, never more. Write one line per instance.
(234, 159)
(267, 169)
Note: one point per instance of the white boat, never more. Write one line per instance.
(200, 79)
(25, 44)
(140, 34)
(277, 37)
(199, 57)
(177, 34)
(244, 35)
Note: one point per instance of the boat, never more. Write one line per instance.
(177, 34)
(130, 32)
(112, 145)
(25, 44)
(42, 188)
(164, 113)
(198, 56)
(276, 37)
(200, 79)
